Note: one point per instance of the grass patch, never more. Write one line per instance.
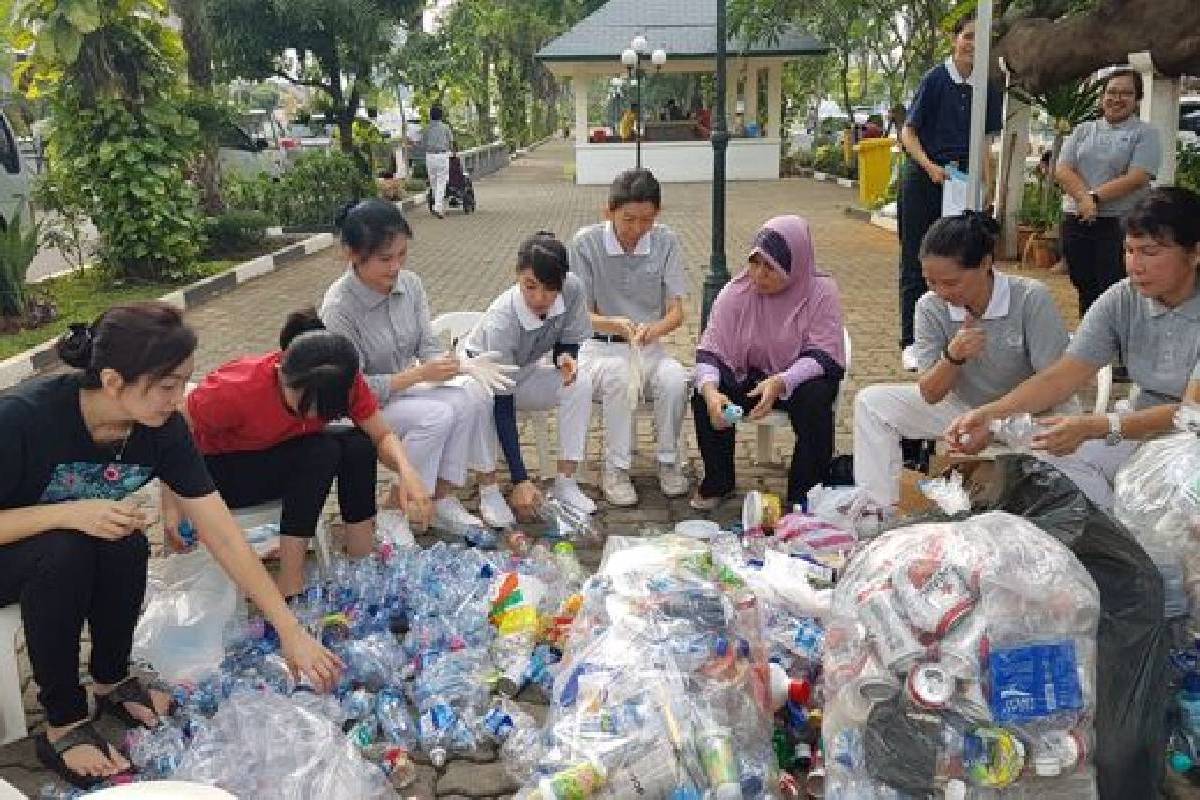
(82, 296)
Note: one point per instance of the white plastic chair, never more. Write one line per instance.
(12, 704)
(458, 325)
(777, 419)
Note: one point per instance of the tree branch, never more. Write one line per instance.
(300, 81)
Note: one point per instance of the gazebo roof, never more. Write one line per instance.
(686, 28)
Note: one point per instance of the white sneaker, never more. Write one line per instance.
(450, 516)
(566, 490)
(908, 358)
(618, 489)
(671, 480)
(494, 508)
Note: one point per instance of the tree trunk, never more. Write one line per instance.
(1042, 54)
(197, 40)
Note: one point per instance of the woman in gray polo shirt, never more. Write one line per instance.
(1150, 319)
(440, 415)
(1104, 169)
(979, 333)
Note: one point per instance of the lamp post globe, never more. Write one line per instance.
(658, 57)
(639, 43)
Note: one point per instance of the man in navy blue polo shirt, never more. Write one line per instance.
(936, 134)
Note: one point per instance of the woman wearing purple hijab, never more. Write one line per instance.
(774, 340)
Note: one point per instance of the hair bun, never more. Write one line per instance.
(343, 213)
(75, 346)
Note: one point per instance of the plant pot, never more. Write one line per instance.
(1024, 234)
(1044, 250)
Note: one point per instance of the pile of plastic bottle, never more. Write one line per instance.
(960, 660)
(1183, 750)
(662, 691)
(423, 644)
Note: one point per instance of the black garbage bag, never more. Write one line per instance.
(1133, 638)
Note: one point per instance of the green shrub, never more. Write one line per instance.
(828, 158)
(307, 195)
(235, 231)
(18, 246)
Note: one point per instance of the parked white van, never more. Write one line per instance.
(15, 178)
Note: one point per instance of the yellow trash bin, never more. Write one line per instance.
(874, 168)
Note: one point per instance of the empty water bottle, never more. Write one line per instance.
(733, 413)
(395, 723)
(1016, 431)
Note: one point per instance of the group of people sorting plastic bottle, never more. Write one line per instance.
(583, 323)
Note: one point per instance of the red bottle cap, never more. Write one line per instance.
(800, 691)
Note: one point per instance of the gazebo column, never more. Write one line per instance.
(752, 94)
(580, 82)
(774, 100)
(1160, 108)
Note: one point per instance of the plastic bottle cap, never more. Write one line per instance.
(955, 790)
(800, 691)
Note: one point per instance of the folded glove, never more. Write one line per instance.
(490, 374)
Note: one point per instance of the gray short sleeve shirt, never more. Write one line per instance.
(1024, 329)
(1159, 346)
(521, 338)
(437, 138)
(638, 285)
(1100, 152)
(390, 331)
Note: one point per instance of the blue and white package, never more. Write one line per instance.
(1034, 681)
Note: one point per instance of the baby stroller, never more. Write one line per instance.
(460, 192)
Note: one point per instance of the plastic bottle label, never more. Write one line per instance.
(1034, 681)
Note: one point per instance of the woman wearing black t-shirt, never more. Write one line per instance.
(71, 544)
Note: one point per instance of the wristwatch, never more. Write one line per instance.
(1114, 437)
(1095, 197)
(958, 362)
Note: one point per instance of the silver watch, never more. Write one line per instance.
(1114, 437)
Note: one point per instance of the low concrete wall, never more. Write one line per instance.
(484, 160)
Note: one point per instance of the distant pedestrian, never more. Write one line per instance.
(437, 141)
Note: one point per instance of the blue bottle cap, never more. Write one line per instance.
(1191, 683)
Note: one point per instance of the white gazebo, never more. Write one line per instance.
(686, 31)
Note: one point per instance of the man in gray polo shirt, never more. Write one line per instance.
(632, 269)
(437, 141)
(1105, 168)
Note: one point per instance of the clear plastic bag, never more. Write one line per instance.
(271, 747)
(1157, 497)
(189, 603)
(663, 683)
(961, 657)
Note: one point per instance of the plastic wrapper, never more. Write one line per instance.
(271, 747)
(662, 691)
(848, 507)
(960, 657)
(1157, 497)
(189, 603)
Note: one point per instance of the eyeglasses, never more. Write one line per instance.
(1119, 94)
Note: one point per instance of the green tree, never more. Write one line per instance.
(332, 46)
(119, 141)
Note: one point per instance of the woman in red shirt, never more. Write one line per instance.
(261, 424)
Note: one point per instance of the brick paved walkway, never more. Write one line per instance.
(465, 261)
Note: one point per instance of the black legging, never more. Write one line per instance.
(300, 472)
(810, 408)
(918, 207)
(62, 578)
(1095, 256)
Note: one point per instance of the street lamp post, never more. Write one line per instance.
(718, 274)
(632, 57)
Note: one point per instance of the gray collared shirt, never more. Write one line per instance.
(638, 285)
(389, 331)
(1100, 152)
(437, 137)
(512, 330)
(1158, 345)
(1025, 333)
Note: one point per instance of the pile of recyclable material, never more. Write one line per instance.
(1183, 717)
(1157, 497)
(662, 691)
(959, 659)
(425, 634)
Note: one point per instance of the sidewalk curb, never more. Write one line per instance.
(28, 364)
(847, 183)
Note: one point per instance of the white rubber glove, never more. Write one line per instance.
(491, 375)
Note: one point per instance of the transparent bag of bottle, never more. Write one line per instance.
(960, 658)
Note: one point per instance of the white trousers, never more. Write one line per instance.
(437, 166)
(883, 415)
(1093, 467)
(664, 383)
(543, 390)
(442, 428)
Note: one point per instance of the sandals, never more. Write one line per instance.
(51, 754)
(130, 690)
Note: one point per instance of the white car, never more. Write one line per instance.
(15, 178)
(1189, 120)
(255, 146)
